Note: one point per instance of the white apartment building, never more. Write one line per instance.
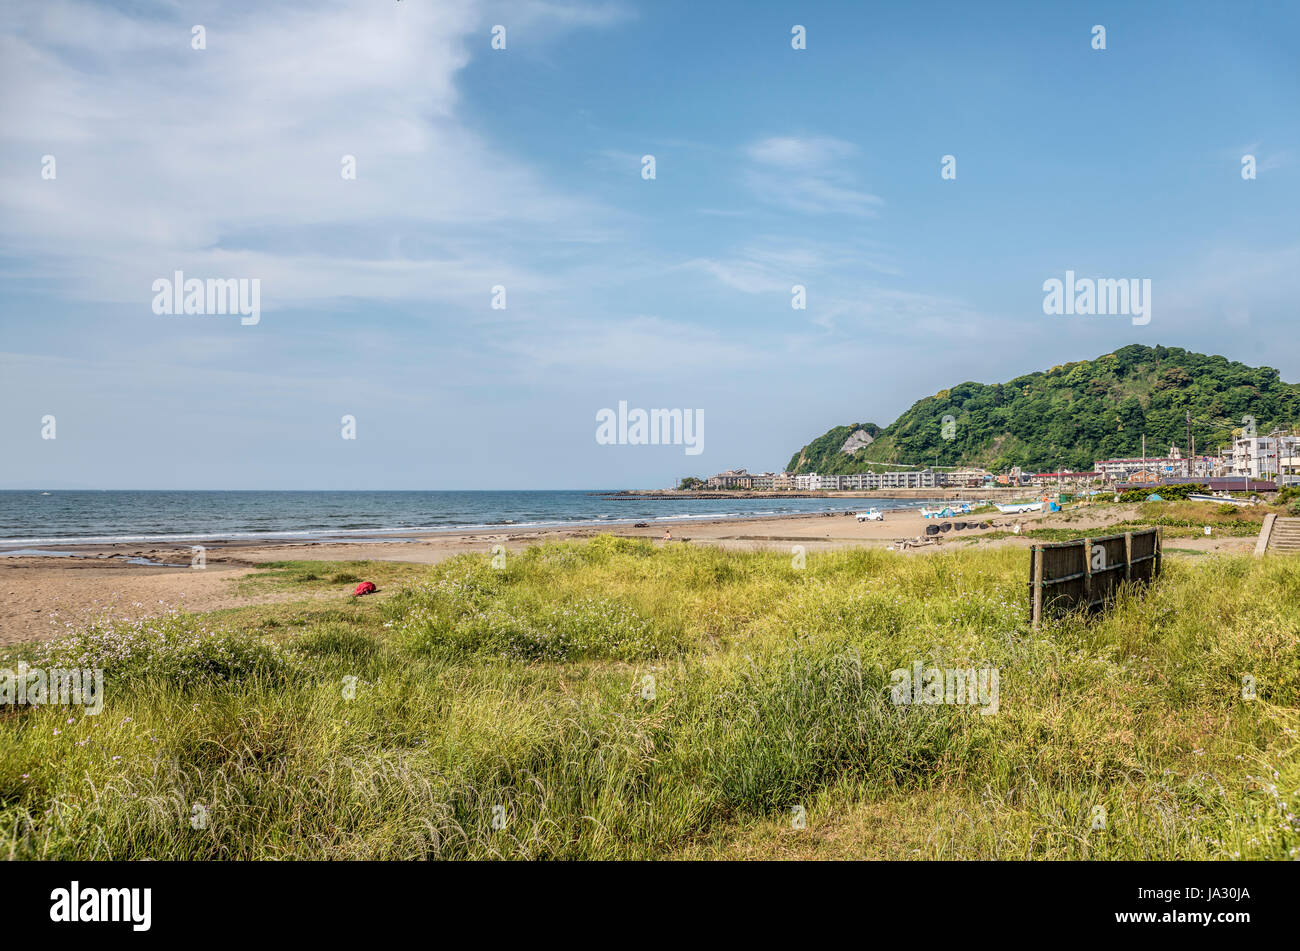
(1288, 464)
(812, 482)
(923, 479)
(1264, 456)
(964, 477)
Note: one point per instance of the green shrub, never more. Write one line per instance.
(534, 630)
(1170, 493)
(176, 648)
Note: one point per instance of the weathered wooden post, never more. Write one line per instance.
(1036, 578)
(1087, 573)
(1128, 556)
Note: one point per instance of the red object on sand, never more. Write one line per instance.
(366, 587)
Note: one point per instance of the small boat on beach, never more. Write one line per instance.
(1225, 498)
(1015, 508)
(948, 511)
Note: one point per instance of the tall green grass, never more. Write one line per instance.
(614, 700)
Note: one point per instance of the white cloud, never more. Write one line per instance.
(748, 277)
(807, 175)
(229, 157)
(793, 152)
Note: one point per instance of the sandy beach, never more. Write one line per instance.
(40, 597)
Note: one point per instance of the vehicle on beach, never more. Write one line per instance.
(871, 515)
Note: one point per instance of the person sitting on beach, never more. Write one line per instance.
(668, 534)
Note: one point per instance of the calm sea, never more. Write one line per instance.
(30, 518)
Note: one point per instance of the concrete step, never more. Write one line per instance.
(1284, 539)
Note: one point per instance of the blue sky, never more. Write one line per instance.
(522, 167)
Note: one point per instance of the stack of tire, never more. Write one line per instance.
(949, 526)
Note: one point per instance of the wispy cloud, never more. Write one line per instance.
(1264, 162)
(802, 153)
(774, 263)
(808, 175)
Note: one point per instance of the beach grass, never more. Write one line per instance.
(614, 699)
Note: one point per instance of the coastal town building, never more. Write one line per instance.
(731, 479)
(967, 478)
(814, 482)
(1208, 467)
(1072, 479)
(1288, 464)
(1262, 456)
(1276, 456)
(914, 479)
(1124, 470)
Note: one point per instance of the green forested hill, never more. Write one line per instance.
(1071, 415)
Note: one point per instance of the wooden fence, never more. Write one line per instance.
(1088, 572)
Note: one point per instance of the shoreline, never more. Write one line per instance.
(43, 596)
(16, 548)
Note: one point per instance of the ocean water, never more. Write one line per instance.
(31, 518)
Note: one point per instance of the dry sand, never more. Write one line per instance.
(41, 596)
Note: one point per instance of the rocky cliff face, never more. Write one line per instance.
(859, 439)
